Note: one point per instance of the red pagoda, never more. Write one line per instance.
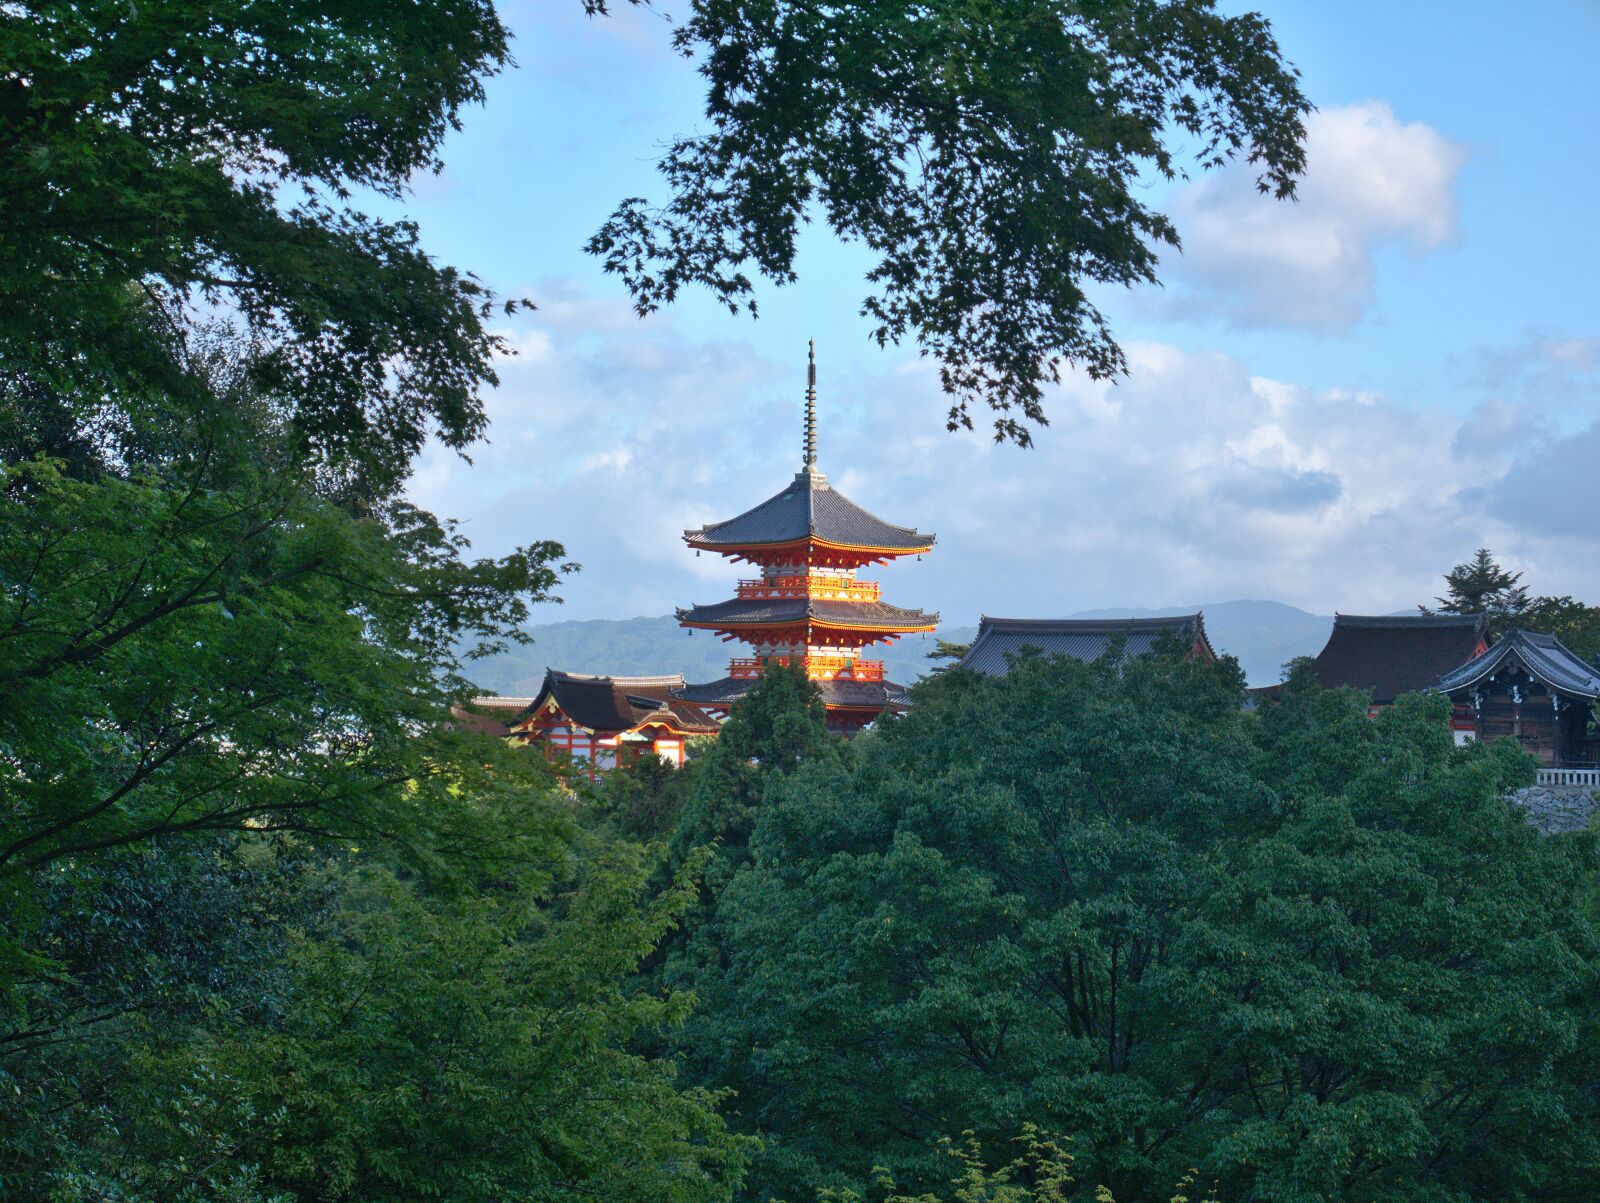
(807, 607)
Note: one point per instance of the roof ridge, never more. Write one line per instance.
(845, 528)
(1439, 620)
(663, 679)
(1084, 623)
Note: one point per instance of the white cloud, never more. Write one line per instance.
(1370, 180)
(1190, 481)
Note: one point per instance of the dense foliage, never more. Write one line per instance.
(250, 1020)
(165, 154)
(989, 156)
(272, 930)
(1316, 956)
(1482, 586)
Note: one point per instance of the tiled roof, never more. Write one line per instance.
(1085, 639)
(809, 508)
(1544, 657)
(607, 705)
(1393, 654)
(785, 611)
(865, 694)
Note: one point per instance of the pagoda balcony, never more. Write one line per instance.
(818, 668)
(819, 588)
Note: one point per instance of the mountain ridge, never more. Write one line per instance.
(1263, 635)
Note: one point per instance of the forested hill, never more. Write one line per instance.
(1262, 634)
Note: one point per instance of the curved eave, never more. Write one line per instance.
(1483, 667)
(819, 623)
(674, 727)
(692, 538)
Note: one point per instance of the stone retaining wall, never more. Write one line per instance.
(1554, 808)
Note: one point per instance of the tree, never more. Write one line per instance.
(990, 158)
(778, 725)
(947, 654)
(199, 640)
(160, 154)
(311, 1024)
(1315, 955)
(153, 155)
(1481, 586)
(1577, 625)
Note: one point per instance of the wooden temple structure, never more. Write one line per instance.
(1531, 688)
(806, 606)
(600, 722)
(999, 640)
(1386, 655)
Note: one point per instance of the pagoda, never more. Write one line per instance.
(806, 607)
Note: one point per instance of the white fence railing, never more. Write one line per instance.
(1589, 777)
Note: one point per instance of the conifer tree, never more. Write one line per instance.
(1481, 586)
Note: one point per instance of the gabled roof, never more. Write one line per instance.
(810, 508)
(1390, 654)
(609, 705)
(1543, 657)
(1085, 639)
(788, 611)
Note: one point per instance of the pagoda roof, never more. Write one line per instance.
(862, 695)
(788, 611)
(809, 508)
(609, 705)
(1085, 639)
(1543, 657)
(1388, 654)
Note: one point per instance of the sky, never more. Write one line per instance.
(1329, 402)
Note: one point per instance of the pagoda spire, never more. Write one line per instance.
(809, 443)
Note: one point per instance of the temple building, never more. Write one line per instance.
(1530, 688)
(601, 722)
(806, 606)
(1086, 639)
(1386, 655)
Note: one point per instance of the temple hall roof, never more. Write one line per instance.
(1085, 639)
(606, 705)
(1394, 654)
(809, 508)
(788, 611)
(1543, 657)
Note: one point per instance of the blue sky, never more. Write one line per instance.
(1330, 403)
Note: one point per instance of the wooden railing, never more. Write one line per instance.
(1589, 777)
(826, 668)
(817, 587)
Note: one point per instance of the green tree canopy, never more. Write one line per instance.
(1481, 586)
(261, 1021)
(989, 156)
(1573, 622)
(165, 154)
(201, 640)
(1315, 955)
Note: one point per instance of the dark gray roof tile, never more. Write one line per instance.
(1085, 639)
(1544, 657)
(1389, 654)
(742, 612)
(809, 508)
